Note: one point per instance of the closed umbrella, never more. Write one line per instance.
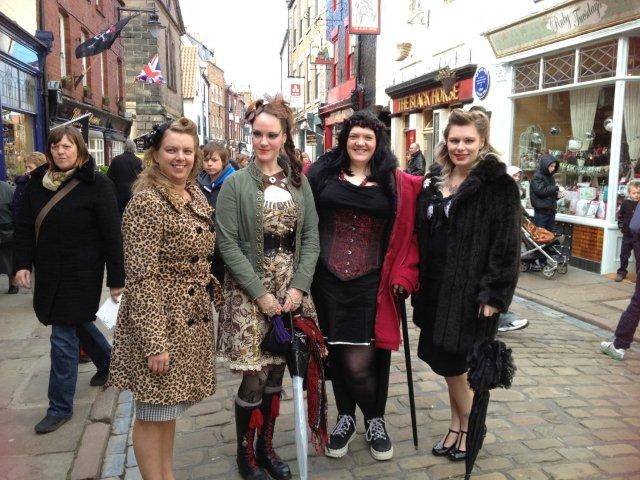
(407, 359)
(305, 362)
(490, 366)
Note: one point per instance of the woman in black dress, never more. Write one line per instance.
(366, 257)
(468, 223)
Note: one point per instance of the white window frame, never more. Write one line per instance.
(83, 38)
(96, 150)
(63, 39)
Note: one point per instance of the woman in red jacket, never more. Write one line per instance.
(368, 256)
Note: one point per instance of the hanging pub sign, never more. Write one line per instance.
(322, 54)
(435, 97)
(311, 139)
(364, 17)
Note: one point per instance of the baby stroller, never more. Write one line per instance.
(542, 250)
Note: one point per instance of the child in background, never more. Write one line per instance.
(624, 217)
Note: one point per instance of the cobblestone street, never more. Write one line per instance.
(572, 414)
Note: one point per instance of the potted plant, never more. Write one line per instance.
(120, 104)
(105, 101)
(67, 82)
(86, 93)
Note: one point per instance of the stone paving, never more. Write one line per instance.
(572, 413)
(24, 376)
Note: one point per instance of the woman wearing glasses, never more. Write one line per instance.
(268, 236)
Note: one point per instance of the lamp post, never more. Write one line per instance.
(154, 20)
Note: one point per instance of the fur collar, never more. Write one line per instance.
(488, 170)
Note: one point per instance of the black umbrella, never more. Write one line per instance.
(490, 366)
(407, 358)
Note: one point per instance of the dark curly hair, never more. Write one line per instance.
(279, 108)
(382, 164)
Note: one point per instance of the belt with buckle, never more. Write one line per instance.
(274, 244)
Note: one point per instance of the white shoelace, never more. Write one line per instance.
(342, 427)
(376, 430)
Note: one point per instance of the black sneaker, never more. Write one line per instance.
(378, 439)
(50, 424)
(341, 436)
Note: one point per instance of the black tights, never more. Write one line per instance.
(255, 384)
(360, 376)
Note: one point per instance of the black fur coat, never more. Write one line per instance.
(483, 255)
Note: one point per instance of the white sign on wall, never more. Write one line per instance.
(294, 92)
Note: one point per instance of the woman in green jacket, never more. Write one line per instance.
(268, 236)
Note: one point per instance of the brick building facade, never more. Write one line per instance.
(217, 93)
(153, 104)
(93, 85)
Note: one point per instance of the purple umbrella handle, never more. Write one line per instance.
(282, 334)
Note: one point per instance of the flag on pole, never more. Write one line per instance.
(151, 72)
(102, 41)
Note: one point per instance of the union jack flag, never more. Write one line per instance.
(151, 72)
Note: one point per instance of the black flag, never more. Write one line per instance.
(83, 126)
(102, 41)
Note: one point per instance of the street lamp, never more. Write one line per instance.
(154, 20)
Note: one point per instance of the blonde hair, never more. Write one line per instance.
(635, 183)
(35, 158)
(152, 177)
(461, 118)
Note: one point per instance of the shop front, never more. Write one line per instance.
(107, 132)
(21, 103)
(578, 99)
(420, 108)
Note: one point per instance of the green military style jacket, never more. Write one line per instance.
(240, 236)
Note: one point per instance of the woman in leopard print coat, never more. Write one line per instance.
(163, 347)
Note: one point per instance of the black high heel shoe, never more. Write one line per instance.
(439, 450)
(457, 455)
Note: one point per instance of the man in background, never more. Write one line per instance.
(416, 161)
(124, 170)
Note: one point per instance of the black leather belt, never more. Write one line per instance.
(279, 243)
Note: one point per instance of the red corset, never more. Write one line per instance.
(350, 246)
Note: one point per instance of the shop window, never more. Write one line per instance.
(96, 149)
(558, 70)
(633, 63)
(598, 61)
(575, 127)
(17, 88)
(18, 139)
(527, 77)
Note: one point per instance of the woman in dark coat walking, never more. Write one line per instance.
(468, 223)
(77, 237)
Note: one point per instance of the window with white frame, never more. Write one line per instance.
(63, 40)
(83, 38)
(96, 150)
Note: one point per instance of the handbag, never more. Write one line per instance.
(634, 224)
(278, 339)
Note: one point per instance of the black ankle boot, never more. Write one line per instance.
(248, 421)
(265, 453)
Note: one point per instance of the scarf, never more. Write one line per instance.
(53, 180)
(316, 390)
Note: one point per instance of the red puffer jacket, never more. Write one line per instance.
(400, 265)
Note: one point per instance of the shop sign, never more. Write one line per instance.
(294, 92)
(322, 54)
(481, 83)
(364, 17)
(563, 21)
(434, 97)
(311, 139)
(338, 117)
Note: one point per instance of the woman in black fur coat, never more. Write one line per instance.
(468, 222)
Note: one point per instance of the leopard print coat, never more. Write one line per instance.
(166, 304)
